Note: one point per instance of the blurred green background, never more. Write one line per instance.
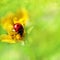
(42, 41)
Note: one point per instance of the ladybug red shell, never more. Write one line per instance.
(18, 28)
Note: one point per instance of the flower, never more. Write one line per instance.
(8, 22)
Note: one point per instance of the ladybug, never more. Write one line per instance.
(18, 28)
